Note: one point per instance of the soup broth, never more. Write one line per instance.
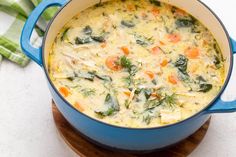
(136, 63)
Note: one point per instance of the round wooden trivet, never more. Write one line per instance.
(86, 149)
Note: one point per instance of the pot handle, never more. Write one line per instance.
(32, 52)
(221, 106)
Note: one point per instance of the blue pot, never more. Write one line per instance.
(130, 139)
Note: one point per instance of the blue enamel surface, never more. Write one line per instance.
(35, 53)
(233, 42)
(221, 106)
(112, 136)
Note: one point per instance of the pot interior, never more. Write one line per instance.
(194, 7)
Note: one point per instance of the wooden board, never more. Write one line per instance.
(86, 149)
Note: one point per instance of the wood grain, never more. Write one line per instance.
(86, 149)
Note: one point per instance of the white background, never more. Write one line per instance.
(27, 128)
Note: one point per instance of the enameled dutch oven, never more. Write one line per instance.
(130, 139)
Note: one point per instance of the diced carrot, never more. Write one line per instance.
(180, 12)
(213, 67)
(162, 43)
(112, 63)
(125, 50)
(164, 62)
(103, 45)
(64, 91)
(172, 79)
(192, 53)
(155, 95)
(78, 106)
(155, 11)
(130, 7)
(127, 93)
(204, 43)
(144, 15)
(150, 74)
(174, 38)
(156, 50)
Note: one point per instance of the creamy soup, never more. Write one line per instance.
(136, 63)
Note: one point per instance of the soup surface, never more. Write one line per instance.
(136, 63)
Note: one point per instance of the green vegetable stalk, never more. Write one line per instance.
(0, 59)
(49, 13)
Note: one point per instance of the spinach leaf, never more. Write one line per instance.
(169, 100)
(86, 92)
(205, 87)
(184, 77)
(143, 41)
(200, 79)
(180, 23)
(127, 103)
(88, 76)
(217, 48)
(182, 64)
(87, 30)
(154, 81)
(104, 77)
(155, 2)
(147, 93)
(147, 119)
(128, 24)
(80, 41)
(137, 91)
(91, 75)
(64, 34)
(108, 112)
(98, 38)
(112, 104)
(217, 62)
(99, 4)
(151, 104)
(133, 70)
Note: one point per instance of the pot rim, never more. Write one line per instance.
(151, 128)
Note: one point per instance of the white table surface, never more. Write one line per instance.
(26, 124)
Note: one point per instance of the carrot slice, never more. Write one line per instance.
(172, 79)
(112, 63)
(156, 50)
(150, 74)
(103, 45)
(179, 12)
(125, 50)
(164, 62)
(144, 15)
(174, 38)
(155, 12)
(162, 43)
(78, 106)
(155, 95)
(192, 53)
(64, 91)
(127, 93)
(130, 7)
